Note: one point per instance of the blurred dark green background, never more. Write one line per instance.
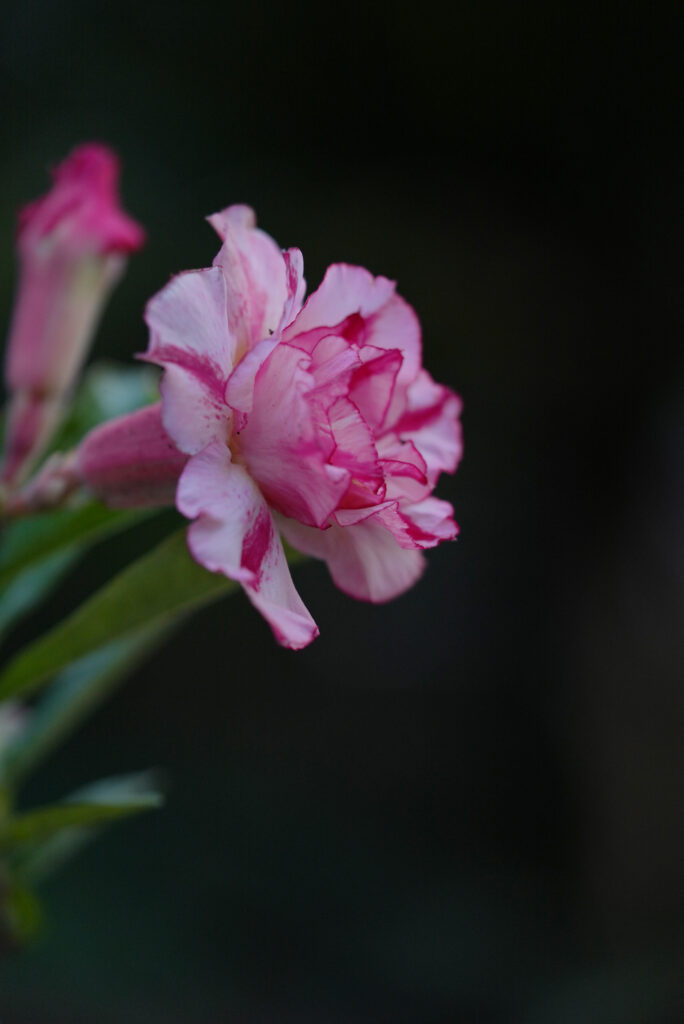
(464, 807)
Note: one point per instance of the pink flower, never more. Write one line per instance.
(72, 245)
(313, 420)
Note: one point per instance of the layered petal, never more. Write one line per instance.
(239, 393)
(434, 519)
(315, 417)
(373, 383)
(284, 444)
(354, 447)
(365, 311)
(234, 534)
(364, 560)
(432, 422)
(345, 291)
(396, 326)
(259, 283)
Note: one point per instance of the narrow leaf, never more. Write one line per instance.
(29, 541)
(21, 915)
(151, 592)
(35, 862)
(30, 587)
(74, 695)
(34, 826)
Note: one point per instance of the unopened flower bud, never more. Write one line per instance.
(130, 462)
(72, 245)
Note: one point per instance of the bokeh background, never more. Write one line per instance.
(464, 807)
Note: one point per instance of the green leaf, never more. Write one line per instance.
(77, 812)
(21, 915)
(73, 696)
(46, 821)
(117, 789)
(34, 863)
(31, 586)
(152, 592)
(29, 541)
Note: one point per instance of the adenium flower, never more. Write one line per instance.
(314, 420)
(72, 245)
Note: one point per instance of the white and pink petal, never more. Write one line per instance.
(259, 284)
(373, 382)
(345, 291)
(364, 560)
(188, 324)
(432, 422)
(189, 338)
(434, 519)
(284, 443)
(234, 534)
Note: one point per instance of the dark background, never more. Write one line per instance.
(464, 807)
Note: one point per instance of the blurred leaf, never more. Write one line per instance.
(77, 812)
(116, 789)
(29, 587)
(29, 541)
(71, 698)
(35, 863)
(107, 390)
(152, 592)
(21, 915)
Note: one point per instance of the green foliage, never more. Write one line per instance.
(83, 658)
(73, 696)
(29, 541)
(21, 915)
(39, 841)
(35, 555)
(44, 822)
(137, 792)
(30, 587)
(152, 592)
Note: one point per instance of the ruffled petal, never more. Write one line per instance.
(332, 361)
(284, 443)
(189, 337)
(239, 392)
(432, 422)
(405, 470)
(259, 284)
(364, 560)
(372, 383)
(396, 326)
(365, 311)
(354, 448)
(234, 533)
(422, 525)
(434, 519)
(344, 291)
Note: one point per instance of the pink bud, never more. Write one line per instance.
(72, 245)
(131, 462)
